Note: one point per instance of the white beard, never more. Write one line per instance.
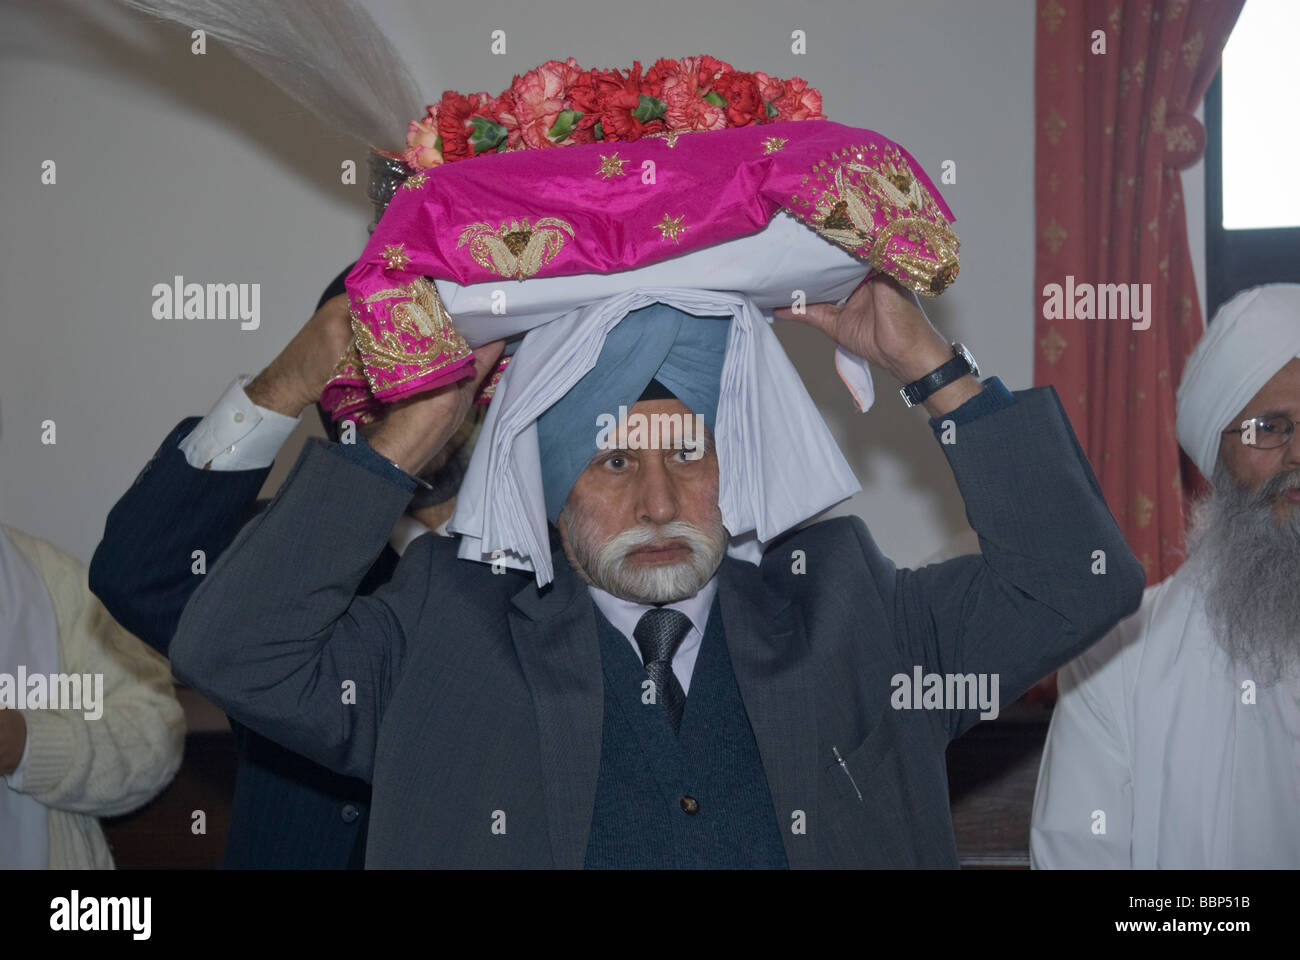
(606, 565)
(1249, 567)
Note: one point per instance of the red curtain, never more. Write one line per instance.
(1113, 130)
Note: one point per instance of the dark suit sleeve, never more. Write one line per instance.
(277, 635)
(142, 569)
(1030, 600)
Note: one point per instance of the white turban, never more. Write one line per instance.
(1252, 337)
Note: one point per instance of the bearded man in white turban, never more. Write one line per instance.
(1176, 741)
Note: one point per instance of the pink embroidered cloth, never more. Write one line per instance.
(610, 207)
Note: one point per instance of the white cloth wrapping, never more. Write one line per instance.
(1151, 730)
(29, 637)
(768, 266)
(1252, 337)
(778, 464)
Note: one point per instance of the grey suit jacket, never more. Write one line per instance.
(473, 701)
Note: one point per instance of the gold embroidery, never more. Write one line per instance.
(417, 313)
(1144, 505)
(611, 166)
(919, 272)
(1053, 346)
(773, 144)
(669, 136)
(879, 211)
(670, 227)
(395, 257)
(1054, 236)
(416, 181)
(1053, 14)
(1053, 126)
(349, 365)
(489, 388)
(515, 249)
(1179, 139)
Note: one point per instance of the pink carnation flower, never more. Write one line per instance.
(421, 142)
(685, 83)
(798, 101)
(539, 96)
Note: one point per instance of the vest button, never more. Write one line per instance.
(350, 813)
(690, 805)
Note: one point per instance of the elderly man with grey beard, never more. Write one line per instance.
(1176, 738)
(660, 702)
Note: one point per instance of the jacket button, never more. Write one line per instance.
(690, 805)
(350, 813)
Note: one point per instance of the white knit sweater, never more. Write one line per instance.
(82, 769)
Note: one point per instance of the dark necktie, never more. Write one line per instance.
(659, 633)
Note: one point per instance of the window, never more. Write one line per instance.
(1252, 184)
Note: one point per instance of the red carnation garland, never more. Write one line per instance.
(559, 104)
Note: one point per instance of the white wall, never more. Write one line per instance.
(170, 164)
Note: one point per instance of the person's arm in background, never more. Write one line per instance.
(116, 754)
(278, 628)
(201, 486)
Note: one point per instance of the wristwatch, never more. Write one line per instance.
(961, 364)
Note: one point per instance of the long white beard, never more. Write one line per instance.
(1249, 566)
(606, 566)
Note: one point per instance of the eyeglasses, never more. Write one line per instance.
(1269, 432)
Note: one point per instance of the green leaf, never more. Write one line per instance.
(649, 108)
(564, 124)
(715, 98)
(600, 131)
(771, 110)
(487, 135)
(437, 144)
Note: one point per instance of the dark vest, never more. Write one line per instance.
(649, 777)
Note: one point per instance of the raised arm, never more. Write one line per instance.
(1053, 575)
(276, 634)
(201, 486)
(1054, 572)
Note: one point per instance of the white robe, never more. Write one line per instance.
(1151, 729)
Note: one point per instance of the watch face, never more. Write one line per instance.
(966, 354)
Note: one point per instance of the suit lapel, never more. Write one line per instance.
(769, 656)
(554, 633)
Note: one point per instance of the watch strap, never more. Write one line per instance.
(918, 390)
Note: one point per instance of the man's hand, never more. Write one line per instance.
(13, 740)
(883, 323)
(295, 378)
(414, 430)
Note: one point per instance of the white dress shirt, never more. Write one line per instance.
(623, 615)
(237, 434)
(1154, 730)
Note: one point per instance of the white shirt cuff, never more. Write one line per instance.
(856, 374)
(237, 434)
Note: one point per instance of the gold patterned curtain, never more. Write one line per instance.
(1116, 85)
